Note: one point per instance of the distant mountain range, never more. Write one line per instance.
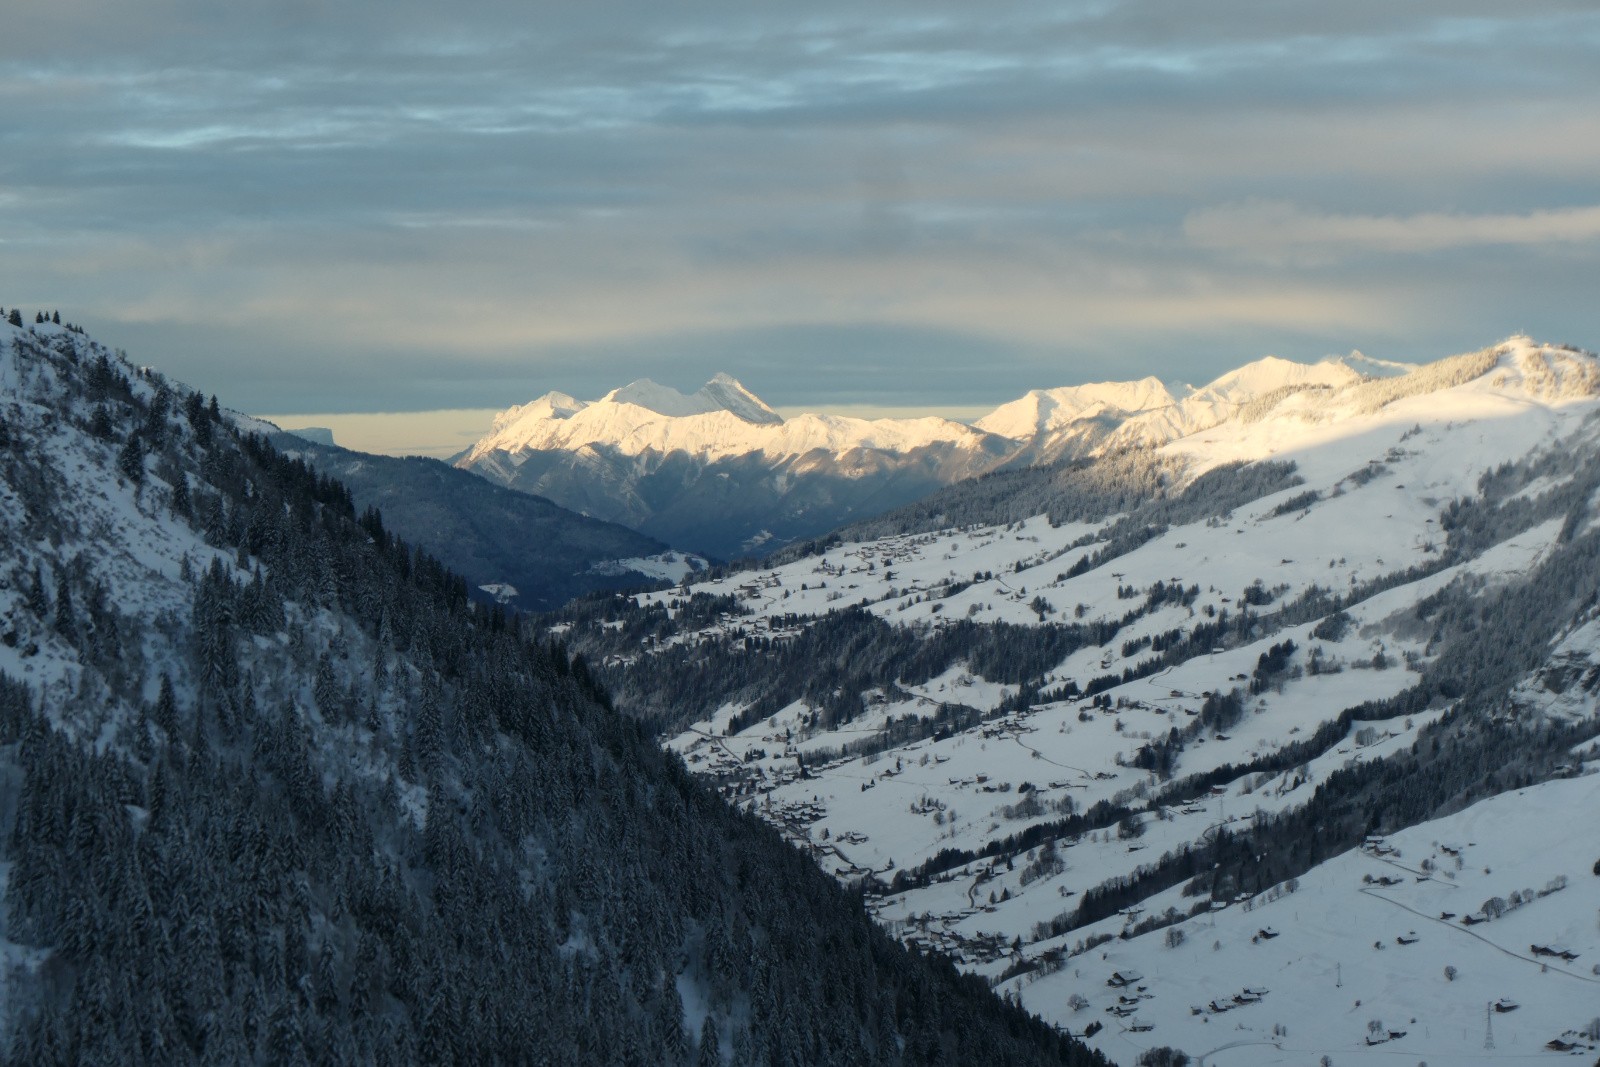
(718, 471)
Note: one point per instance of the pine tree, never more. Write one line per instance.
(165, 712)
(66, 624)
(130, 461)
(38, 602)
(710, 1050)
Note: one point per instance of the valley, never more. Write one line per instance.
(1026, 738)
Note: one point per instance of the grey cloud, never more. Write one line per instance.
(1278, 230)
(308, 206)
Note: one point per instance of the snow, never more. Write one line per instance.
(1046, 411)
(1325, 977)
(643, 418)
(722, 393)
(1271, 373)
(1381, 471)
(665, 566)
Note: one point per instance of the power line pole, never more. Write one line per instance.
(1488, 1027)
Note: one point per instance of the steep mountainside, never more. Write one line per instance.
(517, 548)
(273, 791)
(1149, 714)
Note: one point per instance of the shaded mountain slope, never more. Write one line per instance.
(273, 791)
(489, 534)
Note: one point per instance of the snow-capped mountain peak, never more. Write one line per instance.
(1043, 411)
(552, 405)
(722, 393)
(1273, 372)
(1370, 367)
(728, 394)
(1543, 372)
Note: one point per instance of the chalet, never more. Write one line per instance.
(1121, 979)
(1267, 933)
(1555, 1044)
(1505, 1004)
(1246, 998)
(1253, 992)
(1141, 1028)
(1474, 919)
(1407, 938)
(1217, 1008)
(1447, 915)
(1387, 880)
(1554, 951)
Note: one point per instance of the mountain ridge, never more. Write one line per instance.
(693, 470)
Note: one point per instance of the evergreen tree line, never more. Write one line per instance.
(362, 820)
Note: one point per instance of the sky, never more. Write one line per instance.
(320, 209)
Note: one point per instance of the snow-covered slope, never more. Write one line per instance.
(1354, 601)
(1368, 958)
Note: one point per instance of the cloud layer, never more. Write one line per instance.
(363, 206)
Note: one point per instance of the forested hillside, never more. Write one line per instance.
(273, 791)
(524, 550)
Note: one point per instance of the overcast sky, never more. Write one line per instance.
(311, 206)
